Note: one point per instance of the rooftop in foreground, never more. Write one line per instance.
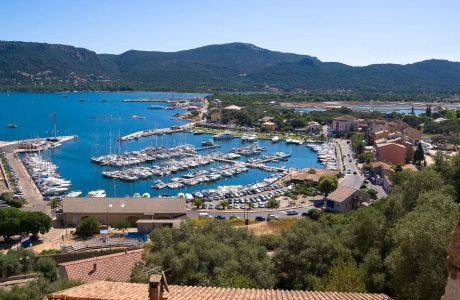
(105, 290)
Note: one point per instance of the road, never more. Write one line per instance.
(350, 180)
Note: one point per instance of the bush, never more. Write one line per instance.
(270, 241)
(88, 226)
(47, 266)
(314, 214)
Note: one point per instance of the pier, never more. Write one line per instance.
(160, 131)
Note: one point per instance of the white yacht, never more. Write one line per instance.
(223, 136)
(275, 139)
(74, 194)
(97, 194)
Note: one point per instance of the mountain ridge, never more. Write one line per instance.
(219, 67)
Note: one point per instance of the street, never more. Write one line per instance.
(349, 180)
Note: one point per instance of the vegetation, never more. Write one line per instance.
(383, 248)
(9, 199)
(89, 225)
(327, 185)
(228, 67)
(16, 222)
(214, 254)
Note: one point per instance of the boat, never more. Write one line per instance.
(74, 194)
(97, 194)
(208, 143)
(11, 125)
(155, 107)
(248, 137)
(275, 139)
(223, 136)
(137, 117)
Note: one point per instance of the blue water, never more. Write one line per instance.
(98, 125)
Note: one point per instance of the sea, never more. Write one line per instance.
(99, 120)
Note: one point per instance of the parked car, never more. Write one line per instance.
(219, 217)
(292, 213)
(272, 217)
(260, 219)
(304, 214)
(354, 172)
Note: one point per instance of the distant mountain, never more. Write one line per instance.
(227, 67)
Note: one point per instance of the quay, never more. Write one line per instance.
(145, 133)
(31, 193)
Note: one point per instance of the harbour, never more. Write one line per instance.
(120, 174)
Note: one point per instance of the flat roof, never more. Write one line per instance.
(147, 206)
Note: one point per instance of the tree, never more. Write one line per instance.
(419, 155)
(314, 214)
(417, 261)
(198, 202)
(412, 112)
(311, 171)
(121, 226)
(10, 222)
(54, 203)
(210, 254)
(357, 143)
(428, 111)
(306, 253)
(89, 226)
(327, 184)
(273, 203)
(451, 114)
(223, 204)
(47, 266)
(35, 223)
(344, 277)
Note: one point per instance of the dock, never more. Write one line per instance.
(208, 147)
(160, 131)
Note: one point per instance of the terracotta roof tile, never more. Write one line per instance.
(104, 290)
(117, 267)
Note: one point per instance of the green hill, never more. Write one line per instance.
(227, 67)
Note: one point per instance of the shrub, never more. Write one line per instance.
(88, 226)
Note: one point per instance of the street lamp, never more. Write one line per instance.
(54, 123)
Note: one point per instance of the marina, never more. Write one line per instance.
(136, 165)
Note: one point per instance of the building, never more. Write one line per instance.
(270, 126)
(266, 119)
(378, 136)
(344, 199)
(412, 135)
(391, 153)
(115, 267)
(115, 210)
(158, 289)
(344, 124)
(311, 175)
(313, 127)
(232, 107)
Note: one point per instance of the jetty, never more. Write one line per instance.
(160, 131)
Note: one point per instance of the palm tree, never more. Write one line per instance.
(198, 202)
(223, 204)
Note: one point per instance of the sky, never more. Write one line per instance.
(355, 32)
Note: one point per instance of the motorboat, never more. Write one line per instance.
(97, 194)
(223, 136)
(11, 125)
(74, 194)
(275, 139)
(208, 143)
